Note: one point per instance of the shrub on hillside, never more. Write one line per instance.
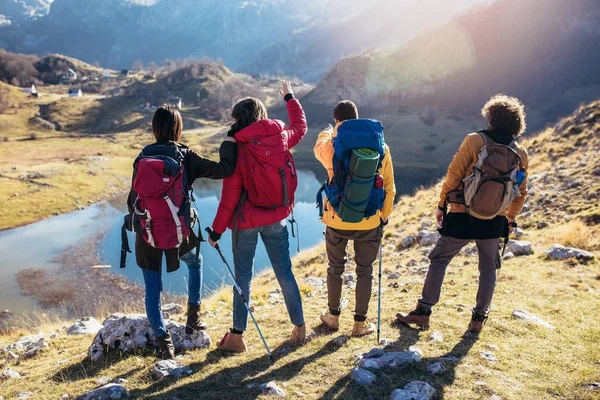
(18, 69)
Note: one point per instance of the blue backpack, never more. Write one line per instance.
(357, 139)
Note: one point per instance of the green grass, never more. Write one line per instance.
(534, 362)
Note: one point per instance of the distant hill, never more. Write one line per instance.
(300, 39)
(429, 91)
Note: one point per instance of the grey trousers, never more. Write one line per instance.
(441, 255)
(366, 247)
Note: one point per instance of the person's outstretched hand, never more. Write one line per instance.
(286, 87)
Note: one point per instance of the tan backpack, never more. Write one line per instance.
(492, 186)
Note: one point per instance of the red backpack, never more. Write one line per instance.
(269, 175)
(163, 215)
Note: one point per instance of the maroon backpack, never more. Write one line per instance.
(162, 215)
(269, 173)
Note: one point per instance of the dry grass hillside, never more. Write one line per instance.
(533, 362)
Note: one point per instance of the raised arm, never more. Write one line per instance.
(297, 127)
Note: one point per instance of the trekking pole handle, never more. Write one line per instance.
(209, 231)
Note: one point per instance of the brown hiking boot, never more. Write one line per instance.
(332, 321)
(418, 316)
(232, 342)
(477, 322)
(298, 335)
(193, 322)
(362, 328)
(166, 350)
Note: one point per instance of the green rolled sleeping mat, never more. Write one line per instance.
(359, 182)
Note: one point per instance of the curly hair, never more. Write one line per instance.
(505, 114)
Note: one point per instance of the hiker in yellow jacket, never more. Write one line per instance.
(365, 234)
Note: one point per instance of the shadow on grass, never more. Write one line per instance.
(86, 368)
(238, 382)
(389, 379)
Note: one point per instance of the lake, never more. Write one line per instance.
(38, 244)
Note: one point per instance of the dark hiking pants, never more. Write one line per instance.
(441, 255)
(366, 247)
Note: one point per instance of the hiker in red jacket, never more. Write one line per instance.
(255, 200)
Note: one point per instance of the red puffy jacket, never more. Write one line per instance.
(249, 215)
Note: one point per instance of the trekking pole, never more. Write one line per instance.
(379, 295)
(239, 291)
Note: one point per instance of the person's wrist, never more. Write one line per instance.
(215, 236)
(288, 97)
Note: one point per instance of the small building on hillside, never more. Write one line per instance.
(75, 93)
(175, 101)
(71, 75)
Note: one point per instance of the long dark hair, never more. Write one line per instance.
(167, 123)
(246, 112)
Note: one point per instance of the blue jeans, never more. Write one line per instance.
(275, 238)
(153, 283)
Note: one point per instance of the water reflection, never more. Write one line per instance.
(37, 244)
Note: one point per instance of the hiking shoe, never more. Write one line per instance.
(193, 322)
(298, 334)
(166, 350)
(477, 322)
(332, 321)
(232, 342)
(419, 316)
(362, 328)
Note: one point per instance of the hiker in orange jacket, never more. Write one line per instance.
(505, 121)
(365, 234)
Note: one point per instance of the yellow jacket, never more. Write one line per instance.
(462, 166)
(324, 153)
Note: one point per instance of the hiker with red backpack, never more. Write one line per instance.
(161, 214)
(256, 200)
(485, 188)
(359, 196)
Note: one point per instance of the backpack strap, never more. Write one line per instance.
(124, 241)
(320, 200)
(484, 137)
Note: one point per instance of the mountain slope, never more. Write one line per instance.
(510, 359)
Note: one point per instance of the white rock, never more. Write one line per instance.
(85, 326)
(374, 353)
(128, 332)
(103, 380)
(385, 342)
(518, 233)
(393, 275)
(559, 252)
(428, 238)
(315, 282)
(390, 359)
(519, 248)
(480, 383)
(362, 376)
(415, 390)
(106, 392)
(524, 315)
(340, 340)
(508, 255)
(435, 368)
(271, 388)
(489, 356)
(24, 395)
(407, 242)
(436, 337)
(416, 349)
(9, 373)
(347, 278)
(27, 346)
(165, 368)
